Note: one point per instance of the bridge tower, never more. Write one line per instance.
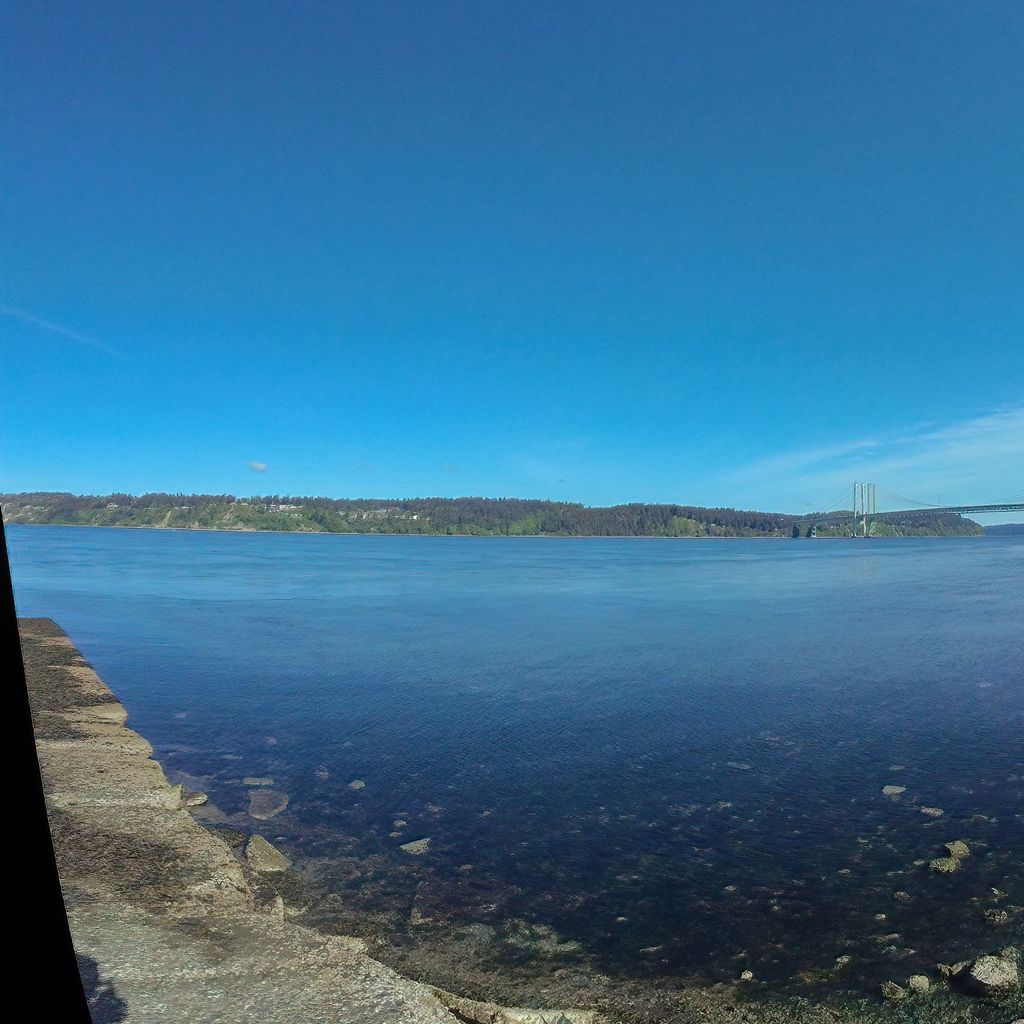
(865, 504)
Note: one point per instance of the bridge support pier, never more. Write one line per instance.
(864, 504)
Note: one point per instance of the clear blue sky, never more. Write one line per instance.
(707, 252)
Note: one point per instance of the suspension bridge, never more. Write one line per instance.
(863, 509)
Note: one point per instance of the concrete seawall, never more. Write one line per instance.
(168, 923)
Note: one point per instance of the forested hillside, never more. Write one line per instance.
(506, 517)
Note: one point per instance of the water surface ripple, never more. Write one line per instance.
(644, 757)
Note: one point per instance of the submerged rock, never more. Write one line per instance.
(958, 849)
(265, 803)
(357, 784)
(890, 990)
(176, 926)
(258, 780)
(893, 790)
(918, 984)
(193, 799)
(932, 812)
(416, 847)
(945, 865)
(543, 940)
(746, 976)
(264, 857)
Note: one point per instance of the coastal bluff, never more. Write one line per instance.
(167, 922)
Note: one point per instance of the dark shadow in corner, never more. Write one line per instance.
(43, 947)
(105, 1005)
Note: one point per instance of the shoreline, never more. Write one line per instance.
(165, 917)
(476, 536)
(162, 909)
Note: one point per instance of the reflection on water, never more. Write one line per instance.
(631, 758)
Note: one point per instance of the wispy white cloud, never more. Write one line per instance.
(60, 330)
(981, 459)
(803, 460)
(258, 467)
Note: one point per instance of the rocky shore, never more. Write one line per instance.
(172, 922)
(168, 923)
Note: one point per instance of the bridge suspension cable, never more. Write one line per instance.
(838, 500)
(910, 501)
(865, 508)
(938, 505)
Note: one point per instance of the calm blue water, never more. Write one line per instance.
(669, 752)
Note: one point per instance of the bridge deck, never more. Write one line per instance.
(846, 517)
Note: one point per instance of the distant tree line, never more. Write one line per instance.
(449, 516)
